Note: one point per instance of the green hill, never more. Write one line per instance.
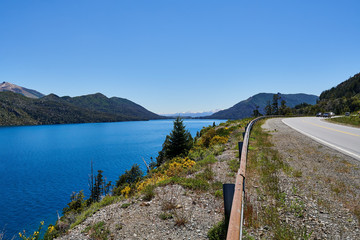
(347, 89)
(345, 97)
(114, 105)
(245, 108)
(16, 109)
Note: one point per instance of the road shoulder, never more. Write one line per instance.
(321, 198)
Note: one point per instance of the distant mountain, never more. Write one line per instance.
(6, 86)
(191, 114)
(113, 106)
(16, 109)
(245, 108)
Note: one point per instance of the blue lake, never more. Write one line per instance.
(40, 166)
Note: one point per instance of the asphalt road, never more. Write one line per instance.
(342, 138)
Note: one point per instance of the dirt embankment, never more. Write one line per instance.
(321, 194)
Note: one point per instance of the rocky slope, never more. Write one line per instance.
(6, 86)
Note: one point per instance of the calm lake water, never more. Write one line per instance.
(40, 166)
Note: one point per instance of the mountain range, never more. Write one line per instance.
(191, 114)
(245, 108)
(21, 106)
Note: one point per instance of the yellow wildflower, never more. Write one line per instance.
(51, 228)
(126, 191)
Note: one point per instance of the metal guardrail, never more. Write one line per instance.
(236, 220)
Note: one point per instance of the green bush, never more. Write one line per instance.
(98, 231)
(208, 174)
(125, 205)
(218, 232)
(77, 203)
(209, 159)
(165, 216)
(218, 193)
(149, 192)
(51, 232)
(190, 183)
(128, 179)
(234, 165)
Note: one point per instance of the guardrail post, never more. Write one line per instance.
(228, 192)
(240, 145)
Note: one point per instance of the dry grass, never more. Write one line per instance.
(265, 164)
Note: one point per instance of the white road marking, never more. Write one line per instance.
(324, 142)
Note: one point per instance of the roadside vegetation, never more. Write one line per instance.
(263, 168)
(189, 166)
(347, 120)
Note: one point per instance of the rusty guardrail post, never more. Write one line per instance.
(228, 192)
(240, 144)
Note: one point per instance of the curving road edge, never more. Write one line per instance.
(341, 138)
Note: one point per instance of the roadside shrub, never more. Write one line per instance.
(149, 192)
(51, 233)
(209, 159)
(94, 207)
(98, 231)
(165, 216)
(194, 184)
(77, 203)
(125, 205)
(208, 174)
(154, 179)
(130, 176)
(218, 232)
(197, 153)
(234, 165)
(218, 149)
(205, 138)
(218, 193)
(223, 131)
(178, 166)
(126, 184)
(125, 191)
(218, 140)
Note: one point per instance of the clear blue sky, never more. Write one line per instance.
(174, 56)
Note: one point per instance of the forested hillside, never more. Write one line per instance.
(345, 97)
(347, 89)
(246, 108)
(16, 109)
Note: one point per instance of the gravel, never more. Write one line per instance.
(328, 186)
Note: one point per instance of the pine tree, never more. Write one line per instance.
(275, 104)
(268, 108)
(99, 186)
(178, 143)
(256, 112)
(283, 108)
